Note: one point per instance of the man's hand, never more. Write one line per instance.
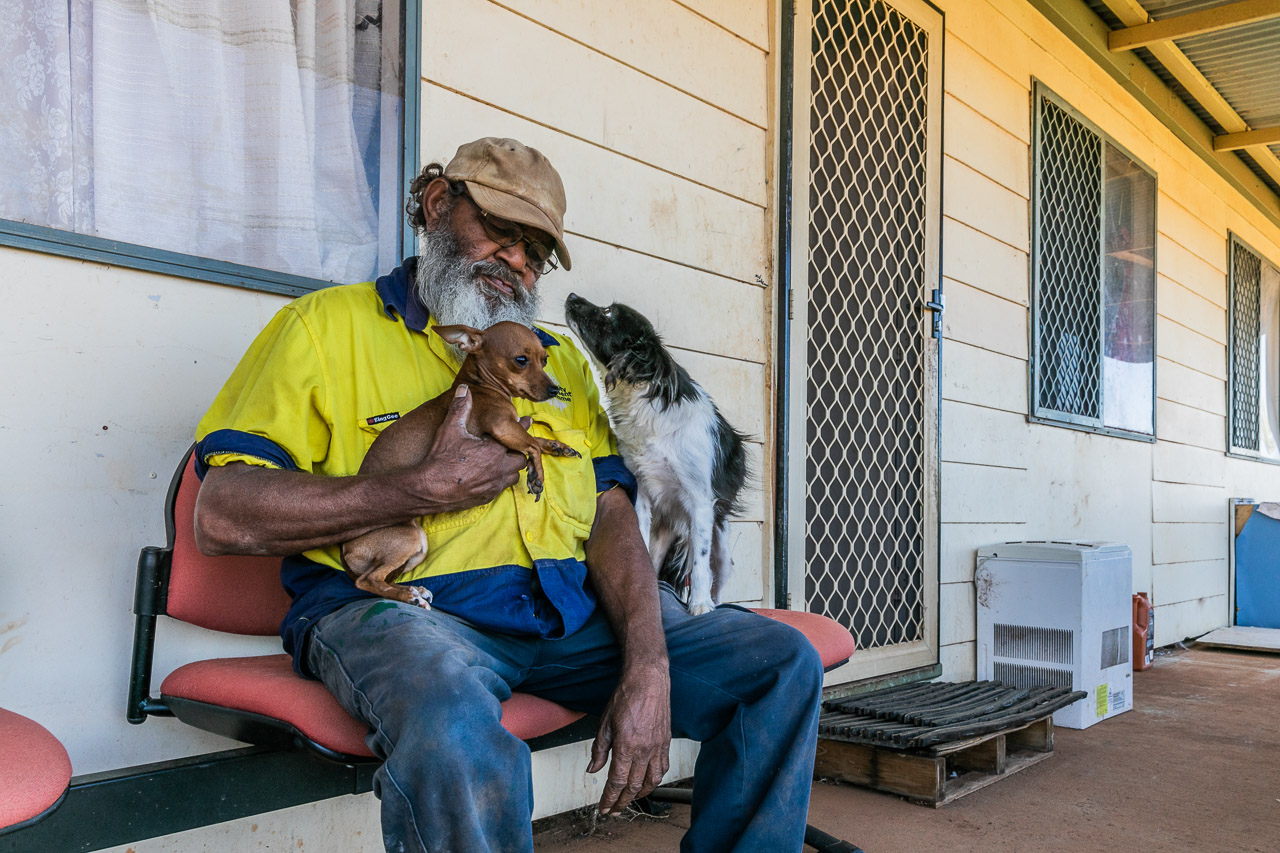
(636, 724)
(636, 727)
(460, 470)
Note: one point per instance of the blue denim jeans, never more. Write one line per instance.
(453, 780)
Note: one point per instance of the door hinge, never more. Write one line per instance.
(938, 305)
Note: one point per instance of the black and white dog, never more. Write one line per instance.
(690, 463)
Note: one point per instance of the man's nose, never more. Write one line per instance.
(516, 258)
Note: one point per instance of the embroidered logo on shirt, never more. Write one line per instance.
(563, 396)
(382, 419)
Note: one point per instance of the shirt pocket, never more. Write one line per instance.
(365, 436)
(570, 485)
(372, 427)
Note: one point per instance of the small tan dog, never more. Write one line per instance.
(504, 361)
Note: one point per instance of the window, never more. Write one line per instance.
(1093, 278)
(1254, 354)
(266, 134)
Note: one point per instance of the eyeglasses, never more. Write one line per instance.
(539, 256)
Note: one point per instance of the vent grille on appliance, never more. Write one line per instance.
(1021, 675)
(1115, 647)
(1051, 645)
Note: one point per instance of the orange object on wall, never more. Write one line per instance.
(1144, 632)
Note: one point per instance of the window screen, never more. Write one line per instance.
(1255, 353)
(1093, 268)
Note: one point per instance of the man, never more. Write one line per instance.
(556, 598)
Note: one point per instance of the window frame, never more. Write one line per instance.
(1050, 417)
(85, 247)
(1233, 451)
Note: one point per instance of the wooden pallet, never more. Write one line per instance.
(925, 776)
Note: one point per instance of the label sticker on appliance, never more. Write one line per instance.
(1101, 699)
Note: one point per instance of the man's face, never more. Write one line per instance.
(466, 277)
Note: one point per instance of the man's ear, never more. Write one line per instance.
(435, 200)
(464, 338)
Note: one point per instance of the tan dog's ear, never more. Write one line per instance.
(464, 338)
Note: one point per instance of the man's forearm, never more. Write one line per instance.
(623, 578)
(244, 509)
(636, 725)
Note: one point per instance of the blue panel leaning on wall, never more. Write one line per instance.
(1258, 572)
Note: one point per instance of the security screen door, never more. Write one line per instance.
(864, 361)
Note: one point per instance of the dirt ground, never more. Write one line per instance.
(1194, 767)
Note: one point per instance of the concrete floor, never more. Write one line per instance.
(1194, 767)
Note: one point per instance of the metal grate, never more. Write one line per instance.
(864, 539)
(914, 715)
(1025, 675)
(1068, 264)
(1115, 646)
(1024, 642)
(1246, 319)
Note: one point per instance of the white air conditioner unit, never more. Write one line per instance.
(1061, 614)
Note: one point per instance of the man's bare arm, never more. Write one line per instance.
(244, 509)
(636, 725)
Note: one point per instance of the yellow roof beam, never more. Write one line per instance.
(1192, 24)
(1247, 139)
(1131, 14)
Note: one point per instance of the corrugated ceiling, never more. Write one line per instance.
(1242, 63)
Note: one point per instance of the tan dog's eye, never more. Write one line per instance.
(522, 360)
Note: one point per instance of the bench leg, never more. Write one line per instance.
(813, 837)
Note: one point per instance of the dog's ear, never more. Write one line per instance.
(622, 368)
(464, 338)
(665, 384)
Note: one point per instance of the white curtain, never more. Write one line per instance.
(227, 129)
(1269, 364)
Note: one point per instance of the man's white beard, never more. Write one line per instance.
(450, 287)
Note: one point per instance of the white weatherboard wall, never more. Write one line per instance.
(1006, 479)
(657, 115)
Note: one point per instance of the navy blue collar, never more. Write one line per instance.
(399, 297)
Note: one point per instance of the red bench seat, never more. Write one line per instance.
(261, 699)
(268, 686)
(34, 770)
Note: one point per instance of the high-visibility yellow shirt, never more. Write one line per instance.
(334, 368)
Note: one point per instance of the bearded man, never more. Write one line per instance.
(556, 598)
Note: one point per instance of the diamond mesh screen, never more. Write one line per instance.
(1068, 265)
(1246, 314)
(864, 540)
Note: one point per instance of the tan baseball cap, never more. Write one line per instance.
(515, 182)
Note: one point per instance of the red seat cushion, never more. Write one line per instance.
(34, 769)
(267, 685)
(832, 640)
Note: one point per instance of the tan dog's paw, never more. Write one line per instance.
(421, 596)
(556, 448)
(535, 486)
(697, 608)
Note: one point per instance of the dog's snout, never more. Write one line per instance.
(552, 390)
